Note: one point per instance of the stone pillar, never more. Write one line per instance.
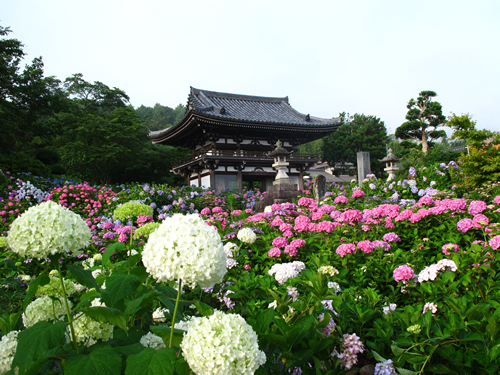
(363, 166)
(239, 180)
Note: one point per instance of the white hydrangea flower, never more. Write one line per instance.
(97, 257)
(388, 309)
(43, 309)
(184, 324)
(185, 247)
(8, 347)
(273, 304)
(88, 330)
(247, 235)
(89, 263)
(335, 286)
(268, 209)
(25, 278)
(54, 289)
(231, 249)
(222, 344)
(159, 314)
(150, 340)
(48, 229)
(285, 271)
(230, 263)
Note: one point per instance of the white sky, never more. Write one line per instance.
(357, 56)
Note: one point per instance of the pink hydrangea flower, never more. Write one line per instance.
(457, 205)
(298, 243)
(450, 247)
(291, 250)
(497, 199)
(317, 215)
(280, 242)
(275, 207)
(341, 199)
(216, 210)
(403, 273)
(476, 207)
(274, 252)
(345, 249)
(326, 226)
(365, 246)
(388, 223)
(350, 216)
(425, 201)
(206, 211)
(465, 225)
(284, 227)
(358, 194)
(236, 213)
(495, 243)
(391, 237)
(277, 222)
(288, 233)
(381, 244)
(307, 202)
(481, 219)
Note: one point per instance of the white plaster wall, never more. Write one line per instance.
(193, 182)
(205, 181)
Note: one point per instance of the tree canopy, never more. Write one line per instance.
(424, 117)
(357, 133)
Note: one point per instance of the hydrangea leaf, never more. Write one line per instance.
(84, 277)
(151, 362)
(42, 279)
(33, 343)
(101, 361)
(108, 315)
(120, 285)
(117, 246)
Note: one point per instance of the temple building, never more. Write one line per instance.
(230, 136)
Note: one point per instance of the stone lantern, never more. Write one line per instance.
(279, 154)
(391, 162)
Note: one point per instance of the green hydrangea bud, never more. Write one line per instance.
(133, 210)
(414, 330)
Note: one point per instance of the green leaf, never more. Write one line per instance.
(108, 315)
(203, 308)
(117, 246)
(84, 277)
(151, 362)
(101, 361)
(397, 350)
(33, 343)
(403, 371)
(135, 305)
(264, 320)
(120, 285)
(440, 369)
(378, 357)
(41, 280)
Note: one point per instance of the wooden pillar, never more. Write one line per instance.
(239, 180)
(199, 178)
(212, 179)
(301, 180)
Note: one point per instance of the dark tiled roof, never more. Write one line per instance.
(251, 108)
(246, 108)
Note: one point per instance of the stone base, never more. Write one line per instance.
(278, 194)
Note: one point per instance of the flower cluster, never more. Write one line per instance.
(403, 273)
(247, 235)
(43, 309)
(351, 347)
(88, 330)
(430, 306)
(159, 315)
(8, 347)
(384, 368)
(184, 247)
(414, 330)
(48, 229)
(345, 249)
(431, 272)
(222, 344)
(150, 340)
(284, 271)
(54, 288)
(132, 210)
(328, 270)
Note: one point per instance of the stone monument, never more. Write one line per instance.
(363, 166)
(319, 188)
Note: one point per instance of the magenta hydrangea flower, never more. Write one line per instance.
(280, 242)
(350, 216)
(497, 199)
(326, 226)
(457, 205)
(358, 194)
(365, 246)
(403, 273)
(236, 213)
(476, 207)
(495, 243)
(341, 199)
(465, 225)
(216, 210)
(425, 201)
(391, 237)
(288, 233)
(481, 219)
(274, 252)
(345, 249)
(284, 227)
(307, 202)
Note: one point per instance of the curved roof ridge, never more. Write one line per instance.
(207, 94)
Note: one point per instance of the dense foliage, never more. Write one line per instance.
(88, 130)
(399, 276)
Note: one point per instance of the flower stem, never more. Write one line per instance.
(65, 297)
(175, 313)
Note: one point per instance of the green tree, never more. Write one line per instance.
(27, 100)
(481, 164)
(424, 117)
(357, 133)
